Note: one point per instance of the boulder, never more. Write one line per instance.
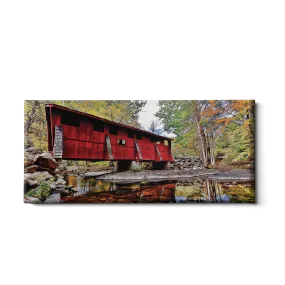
(37, 177)
(52, 186)
(60, 181)
(198, 166)
(29, 159)
(46, 160)
(30, 200)
(32, 150)
(28, 163)
(62, 168)
(60, 185)
(32, 168)
(51, 171)
(62, 165)
(53, 199)
(188, 163)
(32, 183)
(65, 192)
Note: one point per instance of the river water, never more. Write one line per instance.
(90, 190)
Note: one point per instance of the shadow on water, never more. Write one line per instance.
(197, 190)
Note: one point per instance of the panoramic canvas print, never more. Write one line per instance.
(139, 151)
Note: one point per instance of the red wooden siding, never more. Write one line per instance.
(86, 142)
(164, 152)
(147, 148)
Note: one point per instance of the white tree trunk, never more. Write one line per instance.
(203, 149)
(199, 130)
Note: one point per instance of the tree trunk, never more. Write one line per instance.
(213, 162)
(31, 116)
(208, 148)
(252, 115)
(201, 135)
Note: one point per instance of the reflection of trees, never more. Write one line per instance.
(213, 190)
(72, 181)
(242, 192)
(192, 190)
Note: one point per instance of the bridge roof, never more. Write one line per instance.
(107, 121)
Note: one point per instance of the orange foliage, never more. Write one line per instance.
(217, 116)
(242, 106)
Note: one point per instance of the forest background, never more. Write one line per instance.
(220, 132)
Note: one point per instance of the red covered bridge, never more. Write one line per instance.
(73, 135)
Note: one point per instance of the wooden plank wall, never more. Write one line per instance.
(86, 144)
(164, 152)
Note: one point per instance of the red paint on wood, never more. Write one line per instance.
(82, 142)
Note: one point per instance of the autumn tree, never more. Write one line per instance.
(215, 126)
(121, 111)
(177, 117)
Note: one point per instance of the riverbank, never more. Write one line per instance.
(56, 190)
(46, 180)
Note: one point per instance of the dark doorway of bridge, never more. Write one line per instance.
(124, 165)
(162, 165)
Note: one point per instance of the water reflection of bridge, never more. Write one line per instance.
(192, 191)
(97, 191)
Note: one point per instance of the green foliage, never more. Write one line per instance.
(121, 111)
(41, 192)
(100, 163)
(206, 128)
(31, 193)
(178, 117)
(236, 143)
(227, 128)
